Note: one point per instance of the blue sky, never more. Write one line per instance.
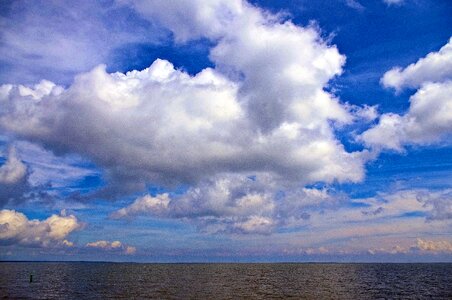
(226, 131)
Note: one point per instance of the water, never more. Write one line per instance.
(224, 281)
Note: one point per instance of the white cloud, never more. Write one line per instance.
(393, 2)
(14, 174)
(16, 228)
(157, 205)
(262, 109)
(191, 19)
(355, 5)
(31, 173)
(379, 222)
(434, 205)
(434, 246)
(394, 250)
(429, 117)
(45, 168)
(112, 246)
(284, 67)
(428, 120)
(423, 245)
(13, 170)
(255, 224)
(435, 67)
(233, 204)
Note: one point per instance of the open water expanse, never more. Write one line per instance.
(83, 280)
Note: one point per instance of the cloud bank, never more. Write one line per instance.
(115, 246)
(233, 204)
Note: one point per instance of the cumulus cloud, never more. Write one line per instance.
(233, 204)
(429, 117)
(439, 204)
(13, 170)
(435, 67)
(394, 250)
(17, 229)
(243, 205)
(291, 62)
(14, 186)
(423, 245)
(262, 109)
(115, 246)
(433, 246)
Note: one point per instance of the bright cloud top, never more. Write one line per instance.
(16, 228)
(435, 67)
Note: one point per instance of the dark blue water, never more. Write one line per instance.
(224, 281)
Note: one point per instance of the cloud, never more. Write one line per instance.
(356, 225)
(394, 250)
(439, 204)
(355, 5)
(435, 67)
(14, 186)
(433, 246)
(428, 120)
(45, 169)
(423, 245)
(13, 170)
(393, 2)
(39, 39)
(189, 20)
(17, 229)
(233, 204)
(434, 205)
(291, 62)
(262, 109)
(429, 117)
(365, 113)
(112, 246)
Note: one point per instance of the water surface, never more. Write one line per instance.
(224, 281)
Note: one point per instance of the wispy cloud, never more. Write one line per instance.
(57, 39)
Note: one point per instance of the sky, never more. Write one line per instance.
(226, 130)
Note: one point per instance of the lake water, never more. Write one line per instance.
(224, 281)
